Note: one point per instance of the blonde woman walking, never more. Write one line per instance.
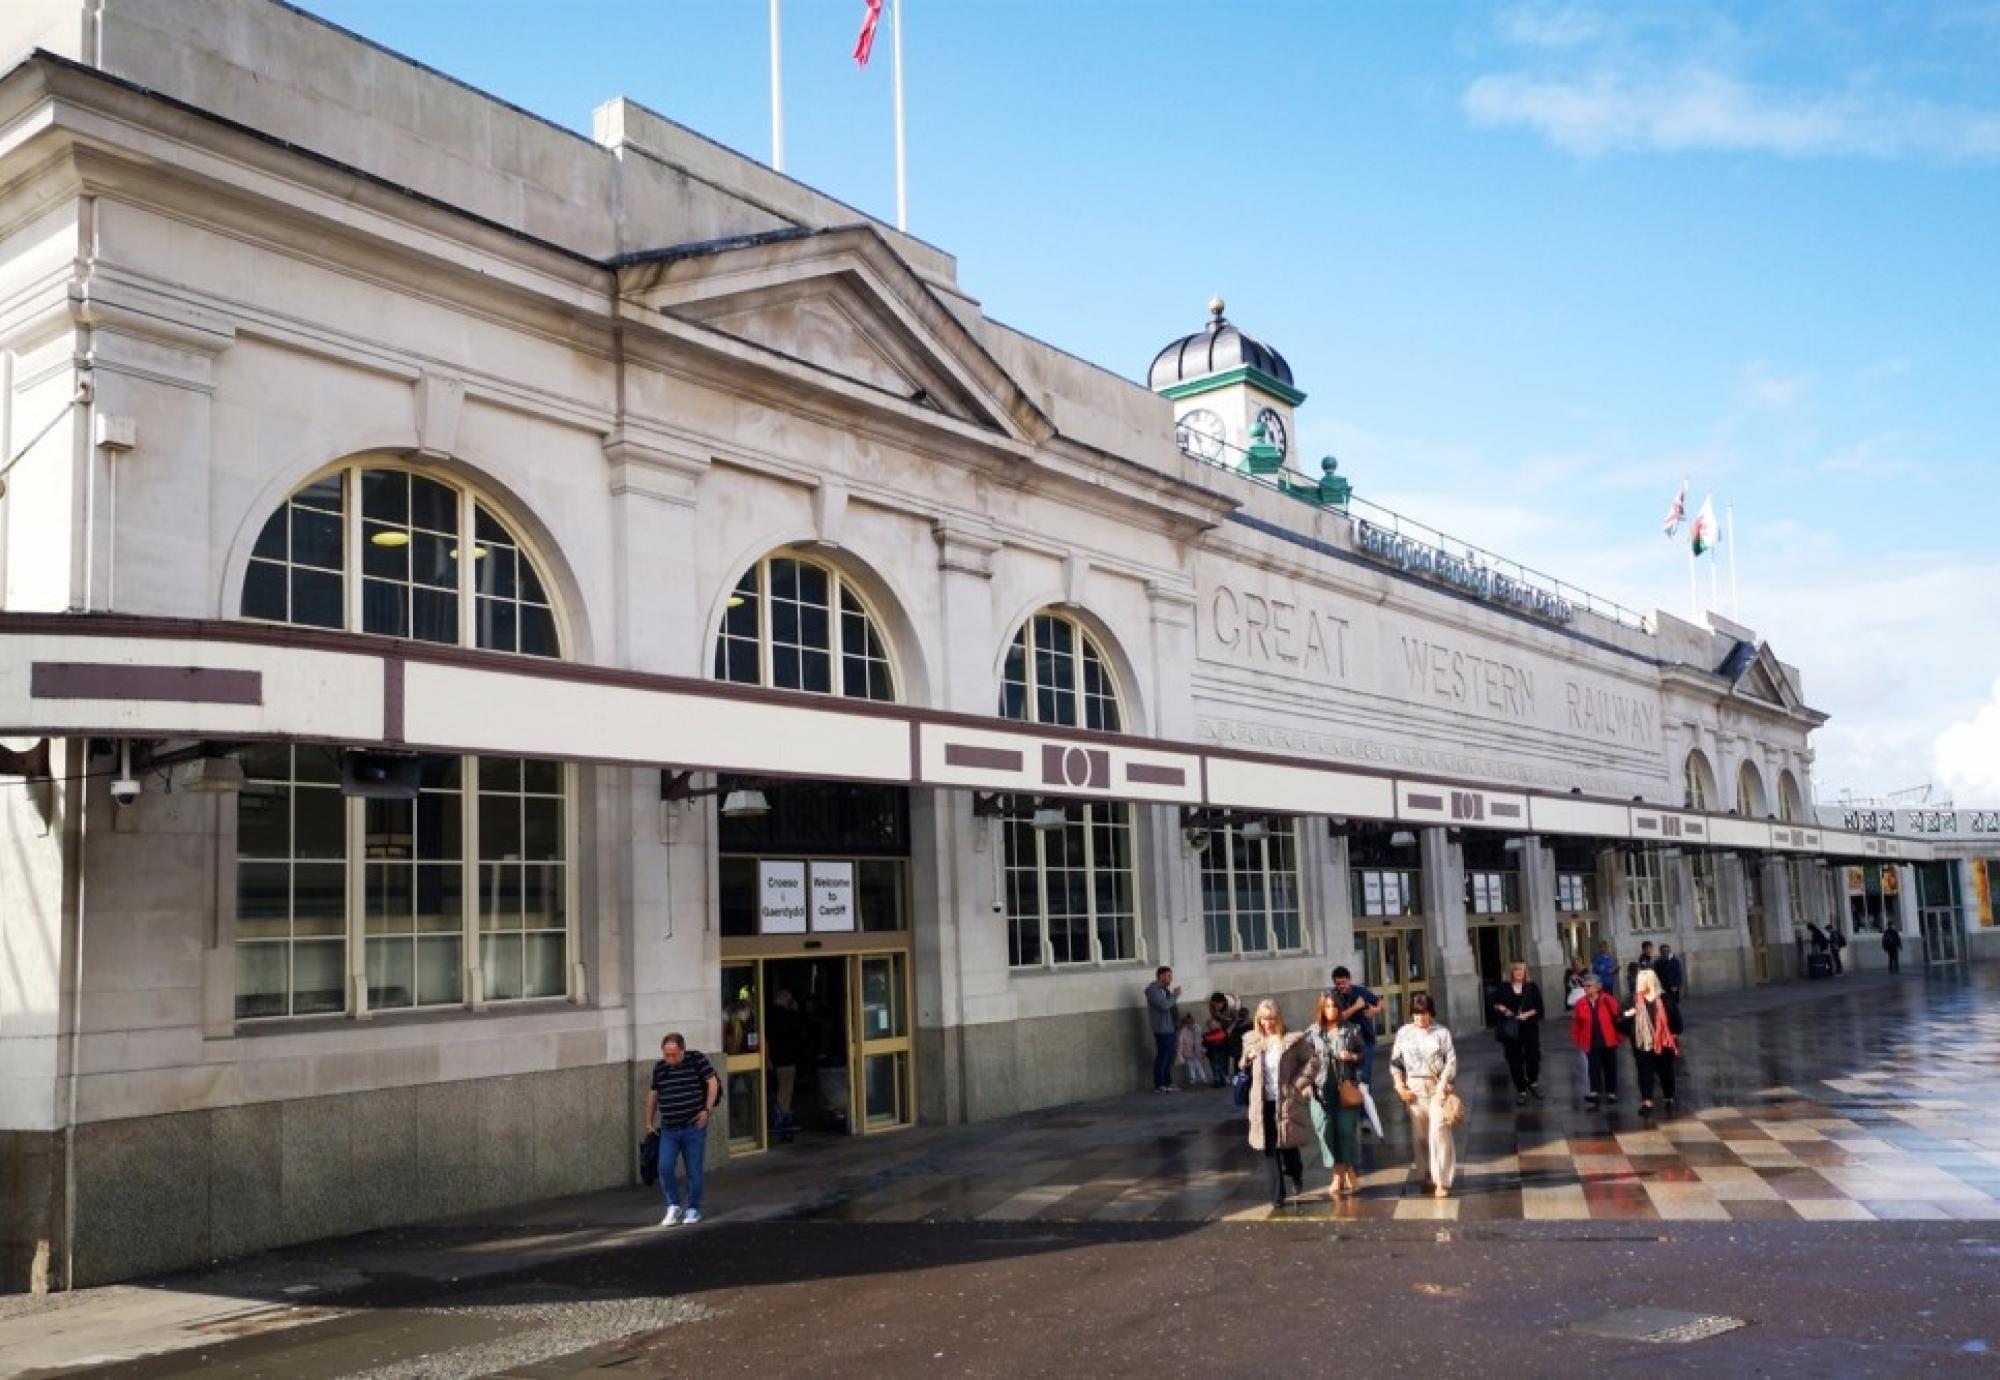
(1654, 1043)
(1425, 1067)
(1282, 1069)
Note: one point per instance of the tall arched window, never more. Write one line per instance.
(1069, 890)
(1791, 809)
(1698, 782)
(1750, 802)
(461, 895)
(795, 624)
(1802, 874)
(1702, 868)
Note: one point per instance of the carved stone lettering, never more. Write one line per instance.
(1263, 631)
(1466, 680)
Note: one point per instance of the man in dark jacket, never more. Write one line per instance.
(1671, 975)
(1892, 945)
(1163, 1019)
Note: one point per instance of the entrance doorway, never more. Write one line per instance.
(1938, 912)
(816, 1045)
(1754, 915)
(1494, 949)
(1393, 968)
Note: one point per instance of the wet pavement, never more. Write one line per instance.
(1825, 1200)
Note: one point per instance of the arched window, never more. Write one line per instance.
(1702, 868)
(461, 895)
(401, 532)
(795, 624)
(1699, 782)
(1791, 809)
(1069, 889)
(1055, 674)
(1750, 792)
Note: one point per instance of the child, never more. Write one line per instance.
(1193, 1059)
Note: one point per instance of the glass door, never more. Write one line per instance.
(882, 1041)
(1393, 967)
(743, 1055)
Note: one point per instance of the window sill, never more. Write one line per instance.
(1112, 965)
(1267, 956)
(263, 1026)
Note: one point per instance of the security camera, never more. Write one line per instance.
(125, 790)
(1196, 839)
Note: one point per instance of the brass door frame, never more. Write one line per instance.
(852, 949)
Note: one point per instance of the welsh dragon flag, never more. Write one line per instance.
(1706, 532)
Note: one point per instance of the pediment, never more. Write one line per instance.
(1759, 675)
(844, 309)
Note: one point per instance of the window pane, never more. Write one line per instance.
(439, 900)
(264, 592)
(544, 963)
(385, 551)
(319, 898)
(260, 980)
(319, 983)
(538, 632)
(500, 966)
(433, 507)
(432, 561)
(541, 838)
(328, 492)
(263, 826)
(385, 496)
(542, 897)
(385, 608)
(435, 615)
(263, 900)
(317, 600)
(387, 905)
(499, 897)
(439, 972)
(499, 826)
(316, 540)
(319, 828)
(391, 973)
(272, 543)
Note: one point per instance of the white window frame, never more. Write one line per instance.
(1409, 893)
(1222, 840)
(1082, 640)
(1646, 892)
(836, 648)
(1704, 873)
(1128, 821)
(355, 860)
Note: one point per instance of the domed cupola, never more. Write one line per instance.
(1217, 348)
(1223, 383)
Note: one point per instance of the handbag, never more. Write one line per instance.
(1239, 1087)
(1350, 1094)
(1508, 1031)
(649, 1158)
(1451, 1108)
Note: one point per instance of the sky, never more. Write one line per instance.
(1533, 265)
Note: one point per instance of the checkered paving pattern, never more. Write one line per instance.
(1864, 1098)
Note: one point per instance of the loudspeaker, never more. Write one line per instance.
(380, 775)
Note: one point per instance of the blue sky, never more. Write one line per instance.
(1532, 264)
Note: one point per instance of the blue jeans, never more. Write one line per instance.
(1163, 1060)
(677, 1143)
(1368, 1064)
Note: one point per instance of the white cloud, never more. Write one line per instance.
(1552, 26)
(1773, 389)
(1968, 755)
(1696, 107)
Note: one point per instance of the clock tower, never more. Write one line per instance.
(1223, 384)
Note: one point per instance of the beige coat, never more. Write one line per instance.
(1296, 1070)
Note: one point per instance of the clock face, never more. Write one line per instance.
(1274, 429)
(1201, 434)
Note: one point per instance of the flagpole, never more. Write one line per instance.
(902, 184)
(777, 96)
(1729, 535)
(1694, 589)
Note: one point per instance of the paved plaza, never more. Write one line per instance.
(1849, 1120)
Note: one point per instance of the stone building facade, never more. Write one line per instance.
(549, 591)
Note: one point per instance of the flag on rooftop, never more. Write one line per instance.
(864, 44)
(1677, 514)
(1706, 533)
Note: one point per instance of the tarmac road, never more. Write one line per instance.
(1288, 1298)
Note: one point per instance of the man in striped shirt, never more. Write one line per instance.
(684, 1092)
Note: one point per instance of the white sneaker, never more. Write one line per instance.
(691, 1216)
(672, 1218)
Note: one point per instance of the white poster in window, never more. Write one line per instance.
(781, 897)
(833, 896)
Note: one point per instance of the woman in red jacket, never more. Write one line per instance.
(1593, 1028)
